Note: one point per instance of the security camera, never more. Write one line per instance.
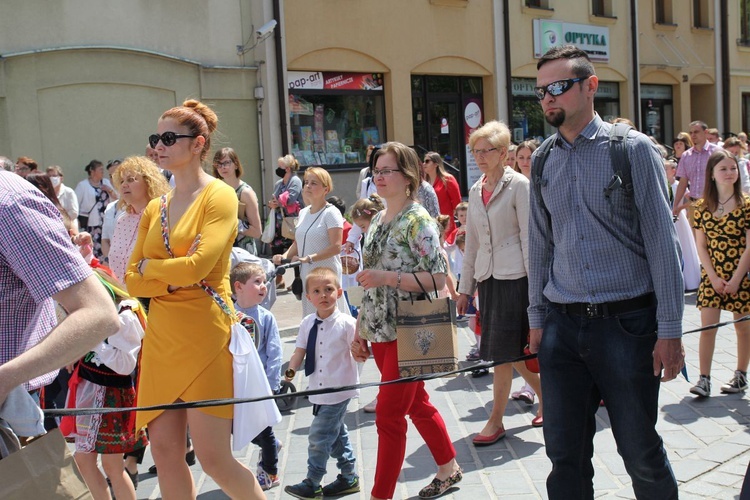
(266, 29)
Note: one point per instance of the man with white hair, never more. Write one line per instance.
(7, 164)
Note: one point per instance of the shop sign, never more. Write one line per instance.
(592, 39)
(656, 92)
(324, 80)
(525, 87)
(472, 121)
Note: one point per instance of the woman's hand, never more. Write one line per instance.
(733, 285)
(278, 258)
(718, 284)
(81, 239)
(462, 303)
(371, 278)
(273, 203)
(360, 351)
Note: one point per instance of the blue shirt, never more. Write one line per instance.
(269, 342)
(597, 254)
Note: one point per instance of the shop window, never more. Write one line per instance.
(701, 14)
(663, 12)
(744, 23)
(334, 123)
(602, 8)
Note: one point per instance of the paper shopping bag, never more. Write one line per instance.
(427, 337)
(43, 469)
(250, 381)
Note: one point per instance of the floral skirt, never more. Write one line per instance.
(110, 432)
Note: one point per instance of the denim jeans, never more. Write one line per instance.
(269, 453)
(584, 360)
(329, 437)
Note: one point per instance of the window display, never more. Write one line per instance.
(335, 116)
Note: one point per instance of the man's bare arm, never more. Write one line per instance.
(92, 317)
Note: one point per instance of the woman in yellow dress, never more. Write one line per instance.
(185, 355)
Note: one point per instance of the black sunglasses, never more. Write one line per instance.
(557, 88)
(167, 138)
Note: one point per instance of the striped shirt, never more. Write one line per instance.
(37, 261)
(599, 254)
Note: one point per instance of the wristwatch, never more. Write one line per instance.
(290, 373)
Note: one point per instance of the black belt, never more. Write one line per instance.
(606, 309)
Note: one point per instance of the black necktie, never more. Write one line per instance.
(310, 353)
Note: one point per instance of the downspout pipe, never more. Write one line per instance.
(725, 70)
(280, 70)
(506, 49)
(635, 67)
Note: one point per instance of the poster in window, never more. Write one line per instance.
(370, 136)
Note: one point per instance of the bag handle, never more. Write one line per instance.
(426, 293)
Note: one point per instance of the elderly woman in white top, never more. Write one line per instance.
(496, 262)
(138, 180)
(94, 194)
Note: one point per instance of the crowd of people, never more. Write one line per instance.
(563, 248)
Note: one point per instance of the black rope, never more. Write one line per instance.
(60, 412)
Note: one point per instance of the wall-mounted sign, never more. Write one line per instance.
(593, 39)
(305, 80)
(656, 92)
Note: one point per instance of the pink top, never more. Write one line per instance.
(123, 242)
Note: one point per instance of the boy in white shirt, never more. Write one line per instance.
(324, 342)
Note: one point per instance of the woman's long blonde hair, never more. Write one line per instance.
(152, 176)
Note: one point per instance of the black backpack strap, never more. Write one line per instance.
(618, 154)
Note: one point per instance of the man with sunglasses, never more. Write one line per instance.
(600, 283)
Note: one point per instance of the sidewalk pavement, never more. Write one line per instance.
(708, 440)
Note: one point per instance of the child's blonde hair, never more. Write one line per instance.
(443, 222)
(245, 271)
(366, 208)
(322, 273)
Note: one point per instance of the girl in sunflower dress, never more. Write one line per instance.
(722, 222)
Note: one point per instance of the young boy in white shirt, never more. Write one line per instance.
(324, 343)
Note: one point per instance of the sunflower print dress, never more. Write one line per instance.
(726, 238)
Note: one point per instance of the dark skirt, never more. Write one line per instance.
(505, 321)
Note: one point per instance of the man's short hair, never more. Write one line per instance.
(713, 131)
(582, 66)
(7, 164)
(699, 124)
(322, 272)
(245, 271)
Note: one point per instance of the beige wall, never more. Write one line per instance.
(85, 79)
(683, 57)
(395, 37)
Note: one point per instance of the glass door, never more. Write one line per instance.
(445, 131)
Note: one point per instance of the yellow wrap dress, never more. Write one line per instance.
(185, 354)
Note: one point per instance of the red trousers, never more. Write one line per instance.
(395, 402)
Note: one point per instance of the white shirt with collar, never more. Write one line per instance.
(334, 364)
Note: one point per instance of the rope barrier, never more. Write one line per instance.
(59, 412)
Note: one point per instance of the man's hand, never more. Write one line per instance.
(462, 303)
(669, 354)
(535, 340)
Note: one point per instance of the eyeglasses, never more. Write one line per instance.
(482, 152)
(557, 88)
(386, 172)
(227, 163)
(167, 138)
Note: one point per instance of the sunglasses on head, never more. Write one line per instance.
(557, 88)
(167, 138)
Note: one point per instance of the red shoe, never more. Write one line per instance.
(480, 440)
(537, 421)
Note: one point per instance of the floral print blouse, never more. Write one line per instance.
(409, 243)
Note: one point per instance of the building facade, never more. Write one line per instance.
(84, 79)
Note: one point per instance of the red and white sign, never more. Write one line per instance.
(321, 80)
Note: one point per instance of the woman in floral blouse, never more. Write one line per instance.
(402, 239)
